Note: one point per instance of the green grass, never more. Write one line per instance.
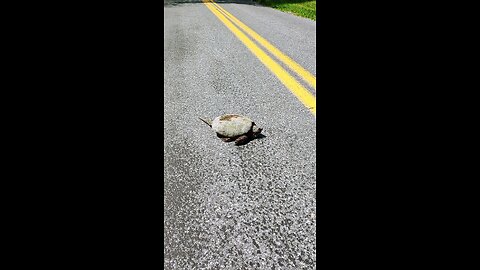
(302, 8)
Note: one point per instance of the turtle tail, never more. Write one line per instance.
(206, 121)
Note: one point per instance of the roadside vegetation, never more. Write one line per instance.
(304, 8)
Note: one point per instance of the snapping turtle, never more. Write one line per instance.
(234, 127)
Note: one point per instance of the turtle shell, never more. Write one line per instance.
(232, 125)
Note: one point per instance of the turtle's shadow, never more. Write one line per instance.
(260, 136)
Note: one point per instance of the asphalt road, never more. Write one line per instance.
(227, 206)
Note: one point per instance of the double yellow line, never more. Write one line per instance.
(288, 80)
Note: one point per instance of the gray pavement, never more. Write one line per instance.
(229, 207)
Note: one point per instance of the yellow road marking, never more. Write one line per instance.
(303, 73)
(295, 87)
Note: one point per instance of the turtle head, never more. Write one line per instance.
(256, 130)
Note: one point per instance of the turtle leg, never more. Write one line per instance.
(242, 140)
(227, 139)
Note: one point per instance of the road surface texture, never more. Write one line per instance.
(227, 206)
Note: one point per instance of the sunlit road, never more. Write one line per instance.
(227, 206)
